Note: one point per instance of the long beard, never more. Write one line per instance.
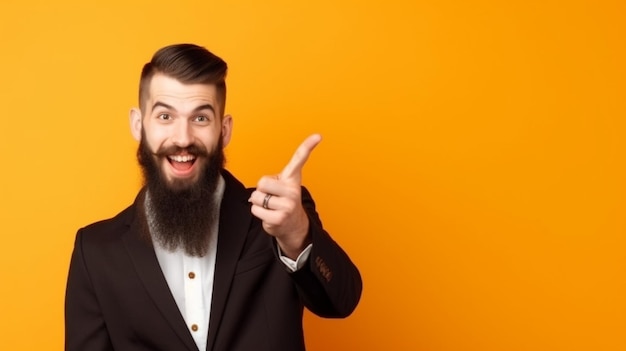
(181, 214)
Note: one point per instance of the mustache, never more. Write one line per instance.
(193, 149)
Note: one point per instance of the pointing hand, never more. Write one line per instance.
(277, 201)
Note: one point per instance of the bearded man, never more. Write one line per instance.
(199, 262)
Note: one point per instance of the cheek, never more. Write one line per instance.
(155, 137)
(209, 140)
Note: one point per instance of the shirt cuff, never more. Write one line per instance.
(299, 262)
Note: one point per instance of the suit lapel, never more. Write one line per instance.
(147, 266)
(235, 219)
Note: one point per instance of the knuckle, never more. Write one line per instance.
(294, 193)
(264, 181)
(290, 207)
(281, 217)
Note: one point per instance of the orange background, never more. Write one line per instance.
(472, 163)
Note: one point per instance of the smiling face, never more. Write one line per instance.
(181, 125)
(182, 130)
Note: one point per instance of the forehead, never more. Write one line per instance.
(181, 96)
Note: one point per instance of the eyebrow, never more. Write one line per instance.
(197, 109)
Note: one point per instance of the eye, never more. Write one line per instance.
(201, 118)
(164, 116)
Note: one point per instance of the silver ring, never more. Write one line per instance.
(266, 201)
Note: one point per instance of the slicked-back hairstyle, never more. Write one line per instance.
(189, 64)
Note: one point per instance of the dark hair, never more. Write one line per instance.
(189, 64)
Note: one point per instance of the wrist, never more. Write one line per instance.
(293, 245)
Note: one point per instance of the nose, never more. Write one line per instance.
(181, 134)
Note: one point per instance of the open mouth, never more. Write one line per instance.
(182, 163)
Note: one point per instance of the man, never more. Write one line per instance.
(199, 262)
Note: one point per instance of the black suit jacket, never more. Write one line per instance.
(117, 297)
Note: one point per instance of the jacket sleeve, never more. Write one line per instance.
(329, 284)
(84, 324)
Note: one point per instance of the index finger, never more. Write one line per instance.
(294, 168)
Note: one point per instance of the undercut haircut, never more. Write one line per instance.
(189, 64)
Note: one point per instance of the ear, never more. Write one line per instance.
(227, 129)
(135, 123)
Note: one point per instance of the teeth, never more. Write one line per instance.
(182, 158)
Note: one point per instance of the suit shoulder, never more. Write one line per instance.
(109, 228)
